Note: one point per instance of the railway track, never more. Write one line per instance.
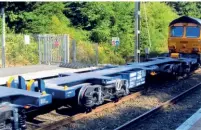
(54, 120)
(158, 108)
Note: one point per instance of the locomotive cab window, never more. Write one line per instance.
(192, 31)
(177, 31)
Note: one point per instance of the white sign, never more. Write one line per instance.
(115, 41)
(26, 39)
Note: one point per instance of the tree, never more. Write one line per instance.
(186, 8)
(159, 15)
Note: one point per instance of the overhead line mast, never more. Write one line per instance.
(137, 32)
(3, 38)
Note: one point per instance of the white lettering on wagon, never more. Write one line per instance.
(69, 94)
(43, 101)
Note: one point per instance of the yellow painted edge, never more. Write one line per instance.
(8, 83)
(43, 93)
(29, 84)
(65, 87)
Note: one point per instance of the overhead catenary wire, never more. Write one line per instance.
(147, 25)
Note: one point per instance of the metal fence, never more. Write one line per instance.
(53, 49)
(48, 49)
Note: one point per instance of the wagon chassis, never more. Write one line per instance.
(87, 90)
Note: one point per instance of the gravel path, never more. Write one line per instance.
(113, 117)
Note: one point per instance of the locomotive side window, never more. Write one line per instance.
(192, 32)
(177, 31)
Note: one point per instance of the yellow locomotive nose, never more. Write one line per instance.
(185, 35)
(174, 55)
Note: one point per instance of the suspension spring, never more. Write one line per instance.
(89, 101)
(22, 119)
(2, 125)
(118, 85)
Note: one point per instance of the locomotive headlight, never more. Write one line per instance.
(195, 50)
(172, 48)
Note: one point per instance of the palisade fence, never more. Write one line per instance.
(53, 49)
(0, 54)
(48, 49)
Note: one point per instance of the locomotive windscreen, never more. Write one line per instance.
(177, 31)
(192, 32)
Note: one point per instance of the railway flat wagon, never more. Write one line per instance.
(90, 89)
(16, 100)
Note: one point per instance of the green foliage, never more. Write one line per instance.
(15, 14)
(186, 8)
(60, 27)
(93, 22)
(159, 15)
(108, 55)
(42, 18)
(104, 21)
(17, 53)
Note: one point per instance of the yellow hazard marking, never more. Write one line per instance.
(8, 83)
(29, 84)
(153, 73)
(65, 87)
(174, 55)
(44, 93)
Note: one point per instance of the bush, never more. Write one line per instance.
(86, 53)
(109, 55)
(17, 53)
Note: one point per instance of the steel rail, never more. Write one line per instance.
(159, 107)
(68, 120)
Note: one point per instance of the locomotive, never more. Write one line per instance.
(184, 37)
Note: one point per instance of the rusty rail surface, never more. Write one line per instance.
(79, 116)
(68, 120)
(159, 107)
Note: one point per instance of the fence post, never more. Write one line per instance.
(3, 39)
(48, 49)
(74, 50)
(67, 46)
(39, 49)
(45, 48)
(52, 58)
(96, 53)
